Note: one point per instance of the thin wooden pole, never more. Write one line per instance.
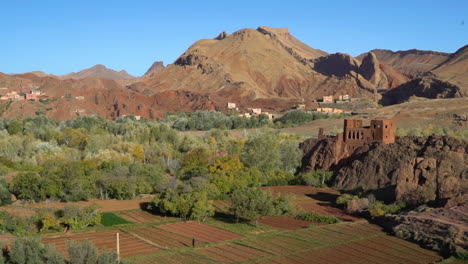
(118, 247)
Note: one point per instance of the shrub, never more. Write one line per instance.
(318, 178)
(77, 217)
(193, 205)
(315, 217)
(380, 209)
(253, 204)
(31, 250)
(345, 199)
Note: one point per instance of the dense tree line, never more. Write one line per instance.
(90, 157)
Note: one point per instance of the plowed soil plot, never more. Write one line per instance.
(200, 231)
(356, 229)
(321, 235)
(164, 238)
(311, 199)
(231, 253)
(140, 216)
(174, 258)
(285, 222)
(129, 245)
(279, 245)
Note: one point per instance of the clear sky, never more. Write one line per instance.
(64, 36)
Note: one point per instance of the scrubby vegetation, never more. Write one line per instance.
(431, 130)
(31, 250)
(315, 217)
(253, 204)
(299, 117)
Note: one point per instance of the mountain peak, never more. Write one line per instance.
(156, 67)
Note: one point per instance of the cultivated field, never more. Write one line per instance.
(312, 199)
(139, 216)
(232, 253)
(347, 242)
(163, 238)
(105, 241)
(200, 232)
(286, 222)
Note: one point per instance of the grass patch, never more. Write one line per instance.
(318, 218)
(111, 219)
(228, 222)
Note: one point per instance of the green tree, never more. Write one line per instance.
(15, 127)
(31, 250)
(77, 217)
(28, 186)
(83, 252)
(193, 205)
(251, 204)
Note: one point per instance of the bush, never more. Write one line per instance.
(380, 209)
(318, 178)
(77, 217)
(315, 217)
(193, 205)
(345, 199)
(253, 204)
(31, 250)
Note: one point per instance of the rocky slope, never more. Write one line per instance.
(443, 229)
(409, 62)
(265, 67)
(448, 80)
(98, 71)
(64, 99)
(156, 67)
(418, 170)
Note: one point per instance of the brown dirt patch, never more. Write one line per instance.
(200, 231)
(143, 217)
(20, 211)
(312, 199)
(106, 240)
(286, 222)
(232, 253)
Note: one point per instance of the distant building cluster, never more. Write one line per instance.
(250, 111)
(15, 96)
(339, 99)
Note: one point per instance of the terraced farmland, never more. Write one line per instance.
(139, 216)
(163, 238)
(105, 240)
(200, 232)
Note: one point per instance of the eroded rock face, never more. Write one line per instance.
(442, 229)
(419, 169)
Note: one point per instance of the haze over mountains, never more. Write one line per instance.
(264, 67)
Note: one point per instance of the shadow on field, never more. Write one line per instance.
(324, 197)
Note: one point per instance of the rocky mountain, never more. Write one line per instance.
(156, 67)
(448, 80)
(69, 98)
(370, 72)
(414, 169)
(264, 67)
(98, 71)
(412, 63)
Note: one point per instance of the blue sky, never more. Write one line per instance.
(64, 36)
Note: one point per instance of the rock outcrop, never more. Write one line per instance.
(370, 69)
(443, 229)
(156, 67)
(417, 169)
(412, 63)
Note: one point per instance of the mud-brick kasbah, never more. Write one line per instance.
(355, 134)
